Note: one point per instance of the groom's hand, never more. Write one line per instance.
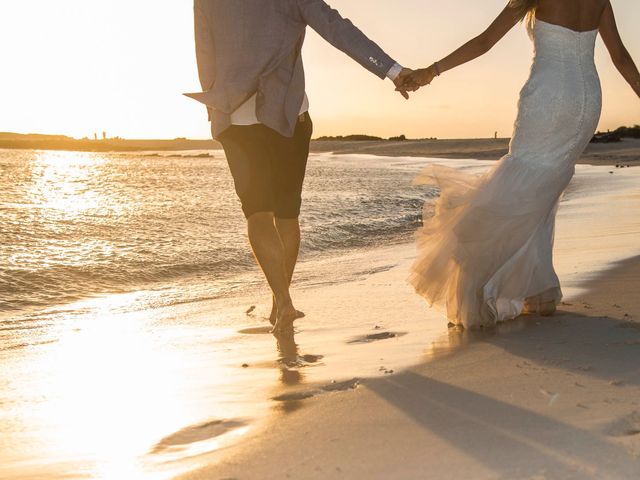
(401, 80)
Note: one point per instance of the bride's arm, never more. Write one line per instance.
(481, 44)
(471, 50)
(619, 54)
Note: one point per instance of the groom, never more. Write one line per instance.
(251, 71)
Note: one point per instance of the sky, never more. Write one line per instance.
(76, 67)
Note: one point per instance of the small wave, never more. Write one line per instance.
(178, 155)
(65, 284)
(89, 226)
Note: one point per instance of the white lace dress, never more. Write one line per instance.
(489, 245)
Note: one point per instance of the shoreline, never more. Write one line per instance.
(626, 152)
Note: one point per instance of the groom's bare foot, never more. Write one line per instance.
(285, 318)
(273, 316)
(544, 309)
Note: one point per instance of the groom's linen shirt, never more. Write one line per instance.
(246, 113)
(253, 47)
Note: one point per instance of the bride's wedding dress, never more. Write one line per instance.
(488, 248)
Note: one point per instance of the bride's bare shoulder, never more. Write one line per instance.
(575, 14)
(573, 4)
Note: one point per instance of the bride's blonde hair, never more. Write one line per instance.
(525, 9)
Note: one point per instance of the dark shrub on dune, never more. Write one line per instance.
(352, 138)
(629, 132)
(617, 135)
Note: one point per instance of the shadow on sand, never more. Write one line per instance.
(500, 435)
(511, 441)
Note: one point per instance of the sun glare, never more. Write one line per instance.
(112, 397)
(61, 183)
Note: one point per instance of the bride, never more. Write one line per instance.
(486, 254)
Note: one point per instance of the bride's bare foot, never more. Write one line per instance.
(547, 309)
(285, 318)
(535, 307)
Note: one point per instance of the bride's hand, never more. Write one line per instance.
(401, 80)
(424, 76)
(417, 79)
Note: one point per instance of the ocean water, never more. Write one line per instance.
(78, 225)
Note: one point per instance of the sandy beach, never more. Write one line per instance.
(552, 398)
(625, 152)
(372, 385)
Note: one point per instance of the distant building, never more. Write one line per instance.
(104, 135)
(95, 136)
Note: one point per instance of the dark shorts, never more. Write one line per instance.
(268, 169)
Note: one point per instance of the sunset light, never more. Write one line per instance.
(82, 67)
(320, 240)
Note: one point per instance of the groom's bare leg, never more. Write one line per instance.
(289, 231)
(269, 251)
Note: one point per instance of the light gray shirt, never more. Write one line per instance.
(245, 114)
(253, 47)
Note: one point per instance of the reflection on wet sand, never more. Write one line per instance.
(288, 358)
(458, 337)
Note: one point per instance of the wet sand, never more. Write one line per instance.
(553, 398)
(626, 152)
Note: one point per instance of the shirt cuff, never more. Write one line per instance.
(394, 71)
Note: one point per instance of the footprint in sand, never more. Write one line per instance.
(311, 358)
(628, 426)
(256, 330)
(331, 387)
(373, 337)
(301, 361)
(195, 434)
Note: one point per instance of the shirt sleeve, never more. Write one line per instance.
(345, 36)
(394, 71)
(205, 48)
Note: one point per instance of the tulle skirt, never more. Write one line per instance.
(489, 245)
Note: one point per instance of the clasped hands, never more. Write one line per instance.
(411, 80)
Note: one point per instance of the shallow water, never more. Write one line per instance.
(123, 285)
(76, 225)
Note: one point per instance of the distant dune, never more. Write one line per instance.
(625, 152)
(60, 142)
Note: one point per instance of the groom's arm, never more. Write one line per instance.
(345, 36)
(205, 47)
